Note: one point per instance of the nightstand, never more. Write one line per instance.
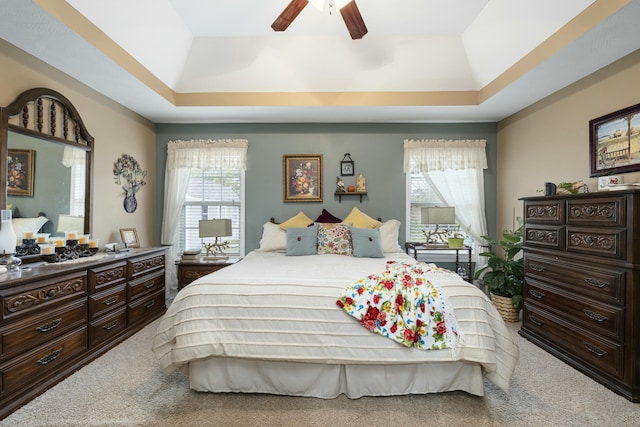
(188, 271)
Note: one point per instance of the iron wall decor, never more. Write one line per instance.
(302, 177)
(615, 142)
(129, 175)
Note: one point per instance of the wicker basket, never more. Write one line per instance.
(505, 308)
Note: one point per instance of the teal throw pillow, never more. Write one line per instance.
(302, 241)
(366, 242)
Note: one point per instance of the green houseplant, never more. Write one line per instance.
(504, 273)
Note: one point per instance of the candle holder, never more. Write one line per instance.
(28, 247)
(72, 250)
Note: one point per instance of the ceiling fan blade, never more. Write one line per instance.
(289, 14)
(355, 24)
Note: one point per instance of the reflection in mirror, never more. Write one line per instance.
(57, 183)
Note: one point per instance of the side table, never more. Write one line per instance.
(188, 271)
(415, 248)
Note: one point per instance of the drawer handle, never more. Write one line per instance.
(49, 326)
(111, 300)
(150, 284)
(595, 282)
(595, 316)
(149, 304)
(536, 320)
(51, 293)
(536, 294)
(594, 349)
(110, 325)
(50, 357)
(537, 268)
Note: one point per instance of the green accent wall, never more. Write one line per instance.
(377, 150)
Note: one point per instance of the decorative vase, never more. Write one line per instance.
(505, 308)
(130, 202)
(455, 242)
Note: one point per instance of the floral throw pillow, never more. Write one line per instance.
(334, 239)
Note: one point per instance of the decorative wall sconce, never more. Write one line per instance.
(347, 166)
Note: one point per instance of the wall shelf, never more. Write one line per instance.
(349, 193)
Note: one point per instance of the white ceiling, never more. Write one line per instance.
(177, 61)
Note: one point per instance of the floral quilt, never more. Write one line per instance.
(400, 303)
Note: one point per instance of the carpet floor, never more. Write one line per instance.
(125, 387)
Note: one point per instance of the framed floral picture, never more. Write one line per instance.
(615, 142)
(302, 177)
(20, 168)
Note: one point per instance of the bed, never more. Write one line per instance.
(270, 324)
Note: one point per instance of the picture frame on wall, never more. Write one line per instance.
(347, 166)
(302, 177)
(614, 145)
(20, 170)
(130, 237)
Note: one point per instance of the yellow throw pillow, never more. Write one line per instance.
(359, 219)
(297, 221)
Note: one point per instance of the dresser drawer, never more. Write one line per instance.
(27, 299)
(577, 342)
(544, 236)
(108, 326)
(601, 242)
(42, 362)
(101, 278)
(107, 300)
(600, 318)
(28, 333)
(145, 308)
(145, 285)
(600, 283)
(607, 211)
(140, 266)
(550, 212)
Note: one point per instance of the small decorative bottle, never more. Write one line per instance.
(361, 183)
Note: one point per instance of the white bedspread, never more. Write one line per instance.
(275, 307)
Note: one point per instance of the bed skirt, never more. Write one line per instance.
(326, 381)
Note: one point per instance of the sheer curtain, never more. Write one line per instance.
(182, 156)
(454, 169)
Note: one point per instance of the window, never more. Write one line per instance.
(421, 195)
(78, 174)
(212, 194)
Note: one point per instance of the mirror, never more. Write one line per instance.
(55, 187)
(48, 156)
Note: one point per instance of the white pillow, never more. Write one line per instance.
(274, 238)
(389, 236)
(22, 225)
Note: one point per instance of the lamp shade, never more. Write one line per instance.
(438, 215)
(7, 233)
(214, 227)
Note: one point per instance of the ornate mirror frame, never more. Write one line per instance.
(46, 114)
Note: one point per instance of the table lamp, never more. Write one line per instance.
(8, 242)
(437, 216)
(215, 228)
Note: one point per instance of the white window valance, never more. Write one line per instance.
(207, 154)
(439, 154)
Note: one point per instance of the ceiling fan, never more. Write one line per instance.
(350, 14)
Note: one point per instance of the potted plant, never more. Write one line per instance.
(504, 273)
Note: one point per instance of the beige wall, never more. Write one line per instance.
(116, 131)
(549, 141)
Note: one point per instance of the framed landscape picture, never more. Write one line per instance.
(20, 167)
(615, 142)
(302, 177)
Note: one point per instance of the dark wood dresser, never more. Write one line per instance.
(582, 267)
(57, 318)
